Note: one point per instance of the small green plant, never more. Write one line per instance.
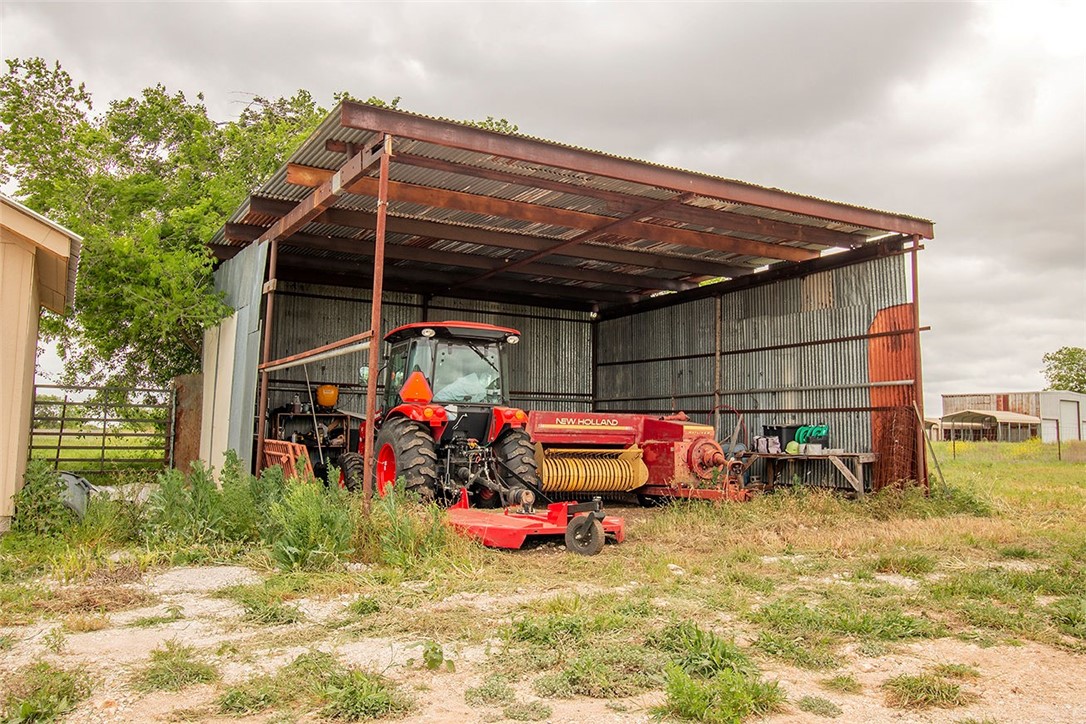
(1019, 553)
(7, 641)
(845, 683)
(923, 691)
(356, 695)
(495, 690)
(819, 707)
(433, 657)
(43, 692)
(808, 652)
(703, 653)
(55, 640)
(172, 667)
(604, 672)
(364, 606)
(39, 507)
(173, 613)
(527, 711)
(905, 563)
(262, 605)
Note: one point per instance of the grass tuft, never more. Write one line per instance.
(43, 692)
(173, 667)
(905, 564)
(527, 711)
(923, 691)
(844, 683)
(357, 695)
(703, 653)
(83, 622)
(727, 697)
(960, 672)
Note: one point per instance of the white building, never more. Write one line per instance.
(1062, 413)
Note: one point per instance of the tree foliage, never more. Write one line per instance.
(1065, 369)
(146, 183)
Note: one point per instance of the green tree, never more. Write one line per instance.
(146, 183)
(1065, 369)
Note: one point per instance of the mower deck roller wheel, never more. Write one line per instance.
(515, 451)
(584, 535)
(351, 467)
(405, 450)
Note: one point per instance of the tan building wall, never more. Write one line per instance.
(37, 269)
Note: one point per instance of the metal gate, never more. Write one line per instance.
(101, 431)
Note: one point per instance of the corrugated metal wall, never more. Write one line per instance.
(770, 370)
(550, 369)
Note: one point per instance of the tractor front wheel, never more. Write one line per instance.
(517, 467)
(406, 450)
(351, 467)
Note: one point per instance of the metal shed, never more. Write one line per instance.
(993, 425)
(637, 287)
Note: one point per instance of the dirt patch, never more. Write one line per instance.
(201, 579)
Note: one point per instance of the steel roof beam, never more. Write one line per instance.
(539, 214)
(439, 281)
(456, 135)
(400, 252)
(485, 237)
(621, 203)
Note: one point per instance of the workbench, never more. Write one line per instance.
(853, 472)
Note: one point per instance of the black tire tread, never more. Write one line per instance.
(352, 465)
(416, 456)
(515, 450)
(587, 546)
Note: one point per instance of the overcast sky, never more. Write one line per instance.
(970, 115)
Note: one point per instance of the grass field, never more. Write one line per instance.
(798, 606)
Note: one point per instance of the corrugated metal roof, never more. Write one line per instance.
(991, 416)
(535, 184)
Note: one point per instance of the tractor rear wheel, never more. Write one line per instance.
(406, 450)
(516, 456)
(351, 467)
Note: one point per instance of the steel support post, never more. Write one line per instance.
(262, 403)
(375, 322)
(918, 377)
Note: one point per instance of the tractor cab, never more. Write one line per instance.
(463, 366)
(444, 425)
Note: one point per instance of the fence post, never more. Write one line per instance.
(60, 430)
(1059, 441)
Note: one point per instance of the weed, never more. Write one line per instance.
(355, 695)
(808, 652)
(304, 679)
(1069, 614)
(43, 692)
(7, 641)
(39, 507)
(433, 657)
(703, 653)
(905, 563)
(55, 640)
(527, 711)
(364, 606)
(844, 617)
(495, 690)
(922, 691)
(82, 622)
(845, 683)
(1019, 553)
(604, 672)
(173, 613)
(727, 697)
(262, 604)
(173, 667)
(311, 527)
(819, 707)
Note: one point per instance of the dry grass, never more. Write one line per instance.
(91, 599)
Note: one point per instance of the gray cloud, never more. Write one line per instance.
(971, 115)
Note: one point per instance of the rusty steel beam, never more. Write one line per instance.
(435, 282)
(625, 204)
(456, 135)
(499, 239)
(410, 284)
(325, 194)
(553, 216)
(400, 252)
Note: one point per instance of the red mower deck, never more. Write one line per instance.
(509, 528)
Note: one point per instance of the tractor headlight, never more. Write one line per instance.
(512, 339)
(428, 332)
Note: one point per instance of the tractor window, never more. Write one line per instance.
(467, 372)
(396, 374)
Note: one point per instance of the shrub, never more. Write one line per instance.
(311, 527)
(355, 695)
(402, 534)
(39, 507)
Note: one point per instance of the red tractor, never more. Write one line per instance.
(443, 423)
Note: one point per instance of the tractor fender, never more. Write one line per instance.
(503, 418)
(432, 415)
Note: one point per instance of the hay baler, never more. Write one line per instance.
(657, 458)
